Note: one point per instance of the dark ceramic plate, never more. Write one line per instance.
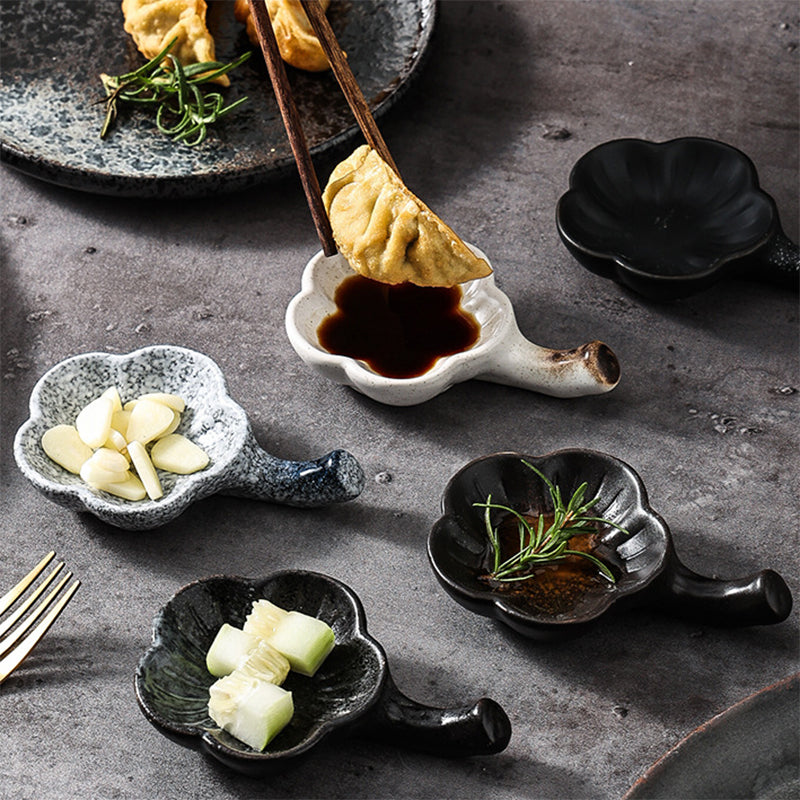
(352, 692)
(54, 51)
(751, 750)
(648, 569)
(670, 219)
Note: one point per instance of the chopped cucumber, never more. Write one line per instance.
(229, 650)
(264, 618)
(247, 700)
(266, 664)
(252, 710)
(305, 641)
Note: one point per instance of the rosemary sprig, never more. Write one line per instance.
(539, 545)
(183, 110)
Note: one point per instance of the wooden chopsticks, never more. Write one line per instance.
(347, 82)
(288, 108)
(291, 121)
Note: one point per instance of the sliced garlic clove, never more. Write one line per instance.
(148, 420)
(176, 453)
(147, 472)
(174, 401)
(94, 422)
(64, 446)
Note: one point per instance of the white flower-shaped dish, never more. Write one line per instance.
(501, 354)
(238, 466)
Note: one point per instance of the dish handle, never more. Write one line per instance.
(777, 262)
(480, 729)
(590, 369)
(760, 599)
(333, 478)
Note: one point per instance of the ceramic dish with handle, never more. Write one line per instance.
(352, 693)
(238, 465)
(648, 571)
(501, 354)
(670, 219)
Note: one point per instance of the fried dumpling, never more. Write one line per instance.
(388, 234)
(154, 23)
(297, 42)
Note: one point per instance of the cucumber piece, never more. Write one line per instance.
(264, 618)
(266, 664)
(229, 650)
(252, 710)
(305, 641)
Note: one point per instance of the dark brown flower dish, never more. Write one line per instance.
(563, 599)
(353, 691)
(670, 219)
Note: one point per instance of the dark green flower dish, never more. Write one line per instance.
(353, 692)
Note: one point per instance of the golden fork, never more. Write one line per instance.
(17, 642)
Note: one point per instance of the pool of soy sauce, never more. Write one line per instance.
(565, 588)
(399, 331)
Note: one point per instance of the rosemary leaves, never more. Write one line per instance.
(182, 109)
(541, 543)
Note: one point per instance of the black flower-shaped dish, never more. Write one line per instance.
(648, 571)
(670, 219)
(352, 692)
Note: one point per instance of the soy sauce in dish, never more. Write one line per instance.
(400, 330)
(563, 589)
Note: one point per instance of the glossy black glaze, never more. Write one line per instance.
(670, 219)
(352, 692)
(651, 573)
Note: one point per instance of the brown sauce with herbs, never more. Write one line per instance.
(565, 588)
(401, 330)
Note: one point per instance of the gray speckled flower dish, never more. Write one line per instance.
(642, 558)
(353, 691)
(670, 219)
(238, 466)
(501, 354)
(50, 126)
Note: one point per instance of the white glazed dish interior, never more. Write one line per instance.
(323, 275)
(212, 420)
(501, 355)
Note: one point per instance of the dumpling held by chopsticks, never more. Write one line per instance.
(387, 233)
(297, 42)
(154, 23)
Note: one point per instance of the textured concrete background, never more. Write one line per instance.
(703, 413)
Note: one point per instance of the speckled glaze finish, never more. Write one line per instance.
(352, 690)
(50, 124)
(501, 355)
(752, 749)
(650, 573)
(670, 219)
(212, 420)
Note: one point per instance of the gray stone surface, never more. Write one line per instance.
(706, 412)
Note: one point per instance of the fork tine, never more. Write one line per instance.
(10, 640)
(18, 655)
(11, 620)
(8, 599)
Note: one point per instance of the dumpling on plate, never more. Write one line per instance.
(154, 23)
(387, 233)
(297, 42)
